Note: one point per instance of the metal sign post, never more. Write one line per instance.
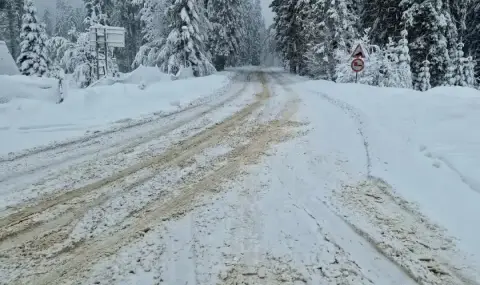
(102, 38)
(357, 66)
(357, 63)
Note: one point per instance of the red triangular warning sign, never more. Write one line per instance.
(359, 52)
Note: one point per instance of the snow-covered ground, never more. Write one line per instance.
(31, 118)
(269, 179)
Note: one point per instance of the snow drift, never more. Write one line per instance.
(7, 64)
(422, 143)
(25, 87)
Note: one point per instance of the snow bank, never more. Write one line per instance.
(7, 64)
(25, 87)
(31, 119)
(142, 75)
(425, 144)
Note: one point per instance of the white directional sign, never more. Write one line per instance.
(115, 36)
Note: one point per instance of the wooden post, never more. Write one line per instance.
(106, 52)
(96, 54)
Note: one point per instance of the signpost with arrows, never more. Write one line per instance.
(358, 64)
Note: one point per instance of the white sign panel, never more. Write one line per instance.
(115, 36)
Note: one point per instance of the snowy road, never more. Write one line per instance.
(231, 191)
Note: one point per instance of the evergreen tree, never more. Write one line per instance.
(154, 26)
(340, 25)
(316, 41)
(429, 24)
(10, 24)
(470, 72)
(388, 73)
(257, 34)
(126, 14)
(185, 44)
(68, 19)
(47, 21)
(288, 26)
(33, 58)
(460, 64)
(472, 35)
(422, 82)
(404, 70)
(383, 17)
(97, 11)
(225, 40)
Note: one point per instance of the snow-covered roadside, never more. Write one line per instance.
(423, 149)
(31, 122)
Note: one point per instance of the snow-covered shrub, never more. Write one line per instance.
(80, 60)
(56, 48)
(317, 62)
(142, 85)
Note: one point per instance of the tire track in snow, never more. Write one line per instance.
(170, 157)
(163, 210)
(124, 148)
(401, 233)
(69, 151)
(353, 113)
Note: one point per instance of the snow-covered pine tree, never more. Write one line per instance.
(97, 12)
(10, 25)
(316, 42)
(62, 21)
(155, 24)
(422, 81)
(452, 61)
(67, 19)
(225, 17)
(471, 37)
(33, 60)
(341, 33)
(126, 15)
(470, 72)
(388, 73)
(185, 44)
(47, 21)
(270, 56)
(404, 69)
(431, 30)
(460, 62)
(383, 17)
(257, 33)
(288, 32)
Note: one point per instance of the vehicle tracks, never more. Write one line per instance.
(21, 228)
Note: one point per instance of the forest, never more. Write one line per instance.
(416, 44)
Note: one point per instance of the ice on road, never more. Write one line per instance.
(274, 179)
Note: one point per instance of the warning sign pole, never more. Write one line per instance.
(357, 63)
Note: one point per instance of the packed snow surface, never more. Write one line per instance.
(267, 178)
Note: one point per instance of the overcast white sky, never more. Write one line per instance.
(50, 4)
